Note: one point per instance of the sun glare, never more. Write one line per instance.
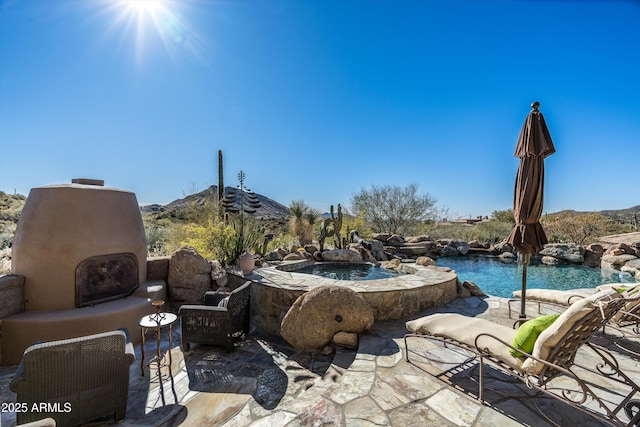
(147, 23)
(143, 6)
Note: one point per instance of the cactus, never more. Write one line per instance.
(220, 186)
(325, 232)
(337, 226)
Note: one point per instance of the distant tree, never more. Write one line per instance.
(392, 209)
(505, 215)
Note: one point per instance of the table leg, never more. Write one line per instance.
(142, 361)
(158, 349)
(170, 346)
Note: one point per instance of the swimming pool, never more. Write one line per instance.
(499, 279)
(348, 271)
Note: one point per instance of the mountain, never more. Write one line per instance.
(269, 209)
(624, 215)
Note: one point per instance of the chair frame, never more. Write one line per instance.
(560, 362)
(629, 321)
(209, 324)
(92, 377)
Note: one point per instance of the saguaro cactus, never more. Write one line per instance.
(337, 226)
(325, 232)
(220, 186)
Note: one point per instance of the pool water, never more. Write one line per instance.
(499, 279)
(349, 271)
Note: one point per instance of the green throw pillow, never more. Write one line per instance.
(528, 333)
(630, 290)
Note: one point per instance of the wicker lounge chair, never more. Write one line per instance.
(553, 354)
(221, 320)
(75, 380)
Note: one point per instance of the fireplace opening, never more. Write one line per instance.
(104, 278)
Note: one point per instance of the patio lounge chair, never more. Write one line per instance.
(75, 380)
(627, 316)
(553, 353)
(221, 320)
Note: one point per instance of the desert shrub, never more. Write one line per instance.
(7, 231)
(213, 240)
(359, 223)
(489, 232)
(394, 209)
(156, 237)
(576, 227)
(282, 240)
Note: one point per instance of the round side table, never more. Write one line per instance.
(157, 321)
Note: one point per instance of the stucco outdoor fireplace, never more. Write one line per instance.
(82, 251)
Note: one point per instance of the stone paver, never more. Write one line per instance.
(264, 382)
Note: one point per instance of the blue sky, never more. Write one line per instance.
(316, 100)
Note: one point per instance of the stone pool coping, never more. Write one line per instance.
(275, 289)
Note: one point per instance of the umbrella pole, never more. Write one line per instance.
(525, 262)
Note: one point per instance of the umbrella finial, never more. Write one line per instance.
(535, 105)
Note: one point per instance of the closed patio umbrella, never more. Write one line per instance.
(527, 236)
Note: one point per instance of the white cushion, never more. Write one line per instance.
(551, 336)
(224, 302)
(554, 296)
(465, 329)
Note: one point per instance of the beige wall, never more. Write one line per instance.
(62, 225)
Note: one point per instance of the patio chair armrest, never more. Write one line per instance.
(14, 386)
(129, 351)
(213, 298)
(485, 351)
(186, 310)
(547, 365)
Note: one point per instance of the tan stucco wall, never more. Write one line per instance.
(62, 225)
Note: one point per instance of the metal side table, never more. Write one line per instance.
(157, 321)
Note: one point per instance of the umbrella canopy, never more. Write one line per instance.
(534, 145)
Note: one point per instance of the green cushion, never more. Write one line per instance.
(528, 332)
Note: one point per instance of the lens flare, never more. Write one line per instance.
(142, 21)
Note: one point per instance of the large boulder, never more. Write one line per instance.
(502, 247)
(461, 247)
(364, 252)
(341, 255)
(564, 251)
(593, 255)
(395, 240)
(615, 262)
(416, 249)
(632, 267)
(447, 250)
(507, 257)
(473, 288)
(418, 239)
(273, 256)
(549, 260)
(294, 256)
(381, 237)
(425, 261)
(316, 316)
(189, 276)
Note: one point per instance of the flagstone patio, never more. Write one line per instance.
(264, 382)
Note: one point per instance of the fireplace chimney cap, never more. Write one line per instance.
(88, 181)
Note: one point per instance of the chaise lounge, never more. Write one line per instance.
(552, 355)
(627, 317)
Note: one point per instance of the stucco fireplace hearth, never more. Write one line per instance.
(82, 251)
